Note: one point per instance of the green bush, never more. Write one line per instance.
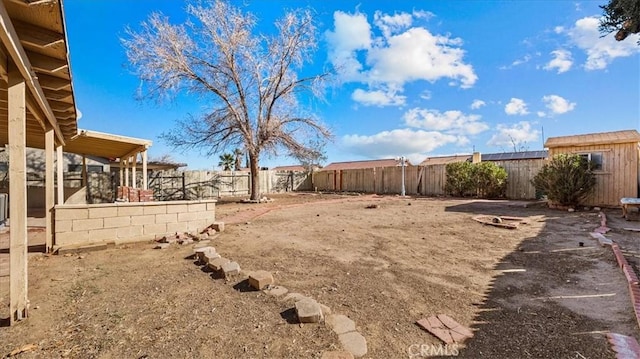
(566, 180)
(485, 179)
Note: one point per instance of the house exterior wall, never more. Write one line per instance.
(77, 225)
(619, 175)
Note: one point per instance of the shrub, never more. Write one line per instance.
(490, 180)
(485, 179)
(566, 180)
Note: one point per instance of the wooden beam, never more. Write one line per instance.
(49, 194)
(35, 111)
(47, 64)
(3, 65)
(31, 2)
(54, 83)
(32, 35)
(134, 181)
(16, 52)
(19, 304)
(60, 174)
(58, 95)
(145, 178)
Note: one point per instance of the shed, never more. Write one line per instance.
(615, 156)
(355, 165)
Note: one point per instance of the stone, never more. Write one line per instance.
(337, 355)
(340, 324)
(200, 251)
(209, 256)
(162, 246)
(354, 343)
(275, 291)
(218, 226)
(308, 311)
(325, 310)
(231, 268)
(217, 263)
(260, 279)
(294, 297)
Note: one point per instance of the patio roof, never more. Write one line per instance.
(92, 143)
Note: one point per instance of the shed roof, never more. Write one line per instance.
(298, 168)
(601, 138)
(443, 160)
(510, 156)
(353, 165)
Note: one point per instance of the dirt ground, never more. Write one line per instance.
(533, 292)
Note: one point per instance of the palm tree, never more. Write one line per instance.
(226, 161)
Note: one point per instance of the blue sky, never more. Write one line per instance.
(418, 78)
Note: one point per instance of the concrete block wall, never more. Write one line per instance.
(77, 225)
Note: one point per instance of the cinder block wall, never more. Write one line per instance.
(76, 225)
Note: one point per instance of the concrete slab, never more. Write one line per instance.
(308, 311)
(354, 343)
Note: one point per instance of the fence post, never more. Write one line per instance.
(184, 187)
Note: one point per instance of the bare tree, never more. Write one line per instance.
(250, 81)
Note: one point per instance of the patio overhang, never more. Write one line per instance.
(92, 143)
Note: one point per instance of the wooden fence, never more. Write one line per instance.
(421, 180)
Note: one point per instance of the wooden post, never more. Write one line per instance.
(126, 172)
(60, 174)
(134, 179)
(84, 170)
(49, 194)
(145, 179)
(121, 172)
(19, 307)
(184, 187)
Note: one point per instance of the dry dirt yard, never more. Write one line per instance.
(533, 292)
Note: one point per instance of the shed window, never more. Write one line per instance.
(596, 160)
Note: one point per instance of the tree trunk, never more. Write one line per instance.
(255, 176)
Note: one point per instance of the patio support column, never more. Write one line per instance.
(126, 172)
(145, 179)
(121, 172)
(49, 193)
(134, 160)
(60, 174)
(84, 170)
(17, 118)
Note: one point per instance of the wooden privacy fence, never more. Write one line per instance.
(421, 180)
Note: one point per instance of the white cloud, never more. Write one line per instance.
(541, 114)
(397, 142)
(454, 122)
(558, 29)
(476, 104)
(516, 107)
(601, 51)
(378, 98)
(558, 105)
(561, 61)
(402, 53)
(425, 95)
(516, 135)
(78, 114)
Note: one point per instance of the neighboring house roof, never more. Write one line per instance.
(594, 139)
(510, 156)
(353, 165)
(295, 168)
(153, 165)
(443, 160)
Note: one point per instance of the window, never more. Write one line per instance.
(596, 160)
(78, 168)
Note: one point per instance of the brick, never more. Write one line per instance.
(200, 251)
(209, 256)
(155, 209)
(205, 215)
(231, 268)
(340, 324)
(308, 311)
(130, 232)
(117, 222)
(103, 234)
(197, 207)
(125, 210)
(177, 227)
(185, 217)
(158, 228)
(63, 226)
(218, 226)
(211, 207)
(103, 212)
(177, 208)
(87, 224)
(260, 279)
(196, 225)
(217, 263)
(354, 343)
(147, 219)
(166, 218)
(71, 213)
